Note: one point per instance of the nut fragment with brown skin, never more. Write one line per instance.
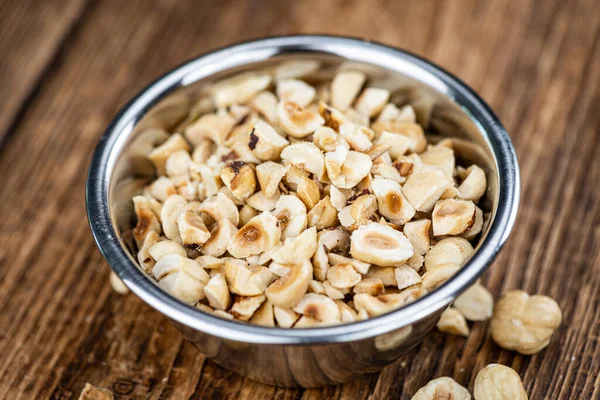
(345, 87)
(359, 212)
(453, 217)
(524, 323)
(417, 232)
(192, 230)
(297, 121)
(319, 307)
(265, 142)
(240, 178)
(260, 234)
(453, 322)
(333, 118)
(498, 382)
(442, 388)
(217, 292)
(159, 154)
(243, 307)
(477, 226)
(147, 221)
(181, 277)
(91, 392)
(406, 165)
(220, 237)
(286, 291)
(144, 258)
(290, 212)
(450, 250)
(392, 203)
(425, 186)
(476, 303)
(269, 175)
(371, 101)
(295, 91)
(380, 245)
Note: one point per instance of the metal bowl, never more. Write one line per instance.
(316, 356)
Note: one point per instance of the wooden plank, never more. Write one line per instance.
(31, 35)
(61, 324)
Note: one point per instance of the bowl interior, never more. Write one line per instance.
(444, 106)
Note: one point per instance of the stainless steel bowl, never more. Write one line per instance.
(316, 356)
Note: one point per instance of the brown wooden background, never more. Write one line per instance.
(67, 66)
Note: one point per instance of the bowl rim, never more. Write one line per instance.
(354, 49)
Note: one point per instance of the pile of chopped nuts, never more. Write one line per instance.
(294, 205)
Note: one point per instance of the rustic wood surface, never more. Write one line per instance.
(67, 66)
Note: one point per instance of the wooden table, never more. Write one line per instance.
(67, 66)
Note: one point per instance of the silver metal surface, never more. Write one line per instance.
(316, 356)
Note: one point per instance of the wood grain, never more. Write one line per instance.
(31, 35)
(536, 62)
